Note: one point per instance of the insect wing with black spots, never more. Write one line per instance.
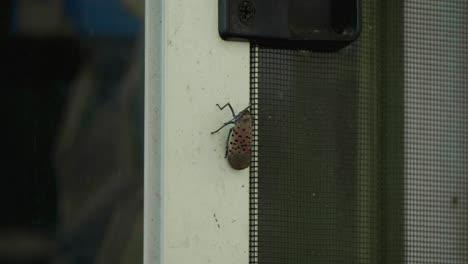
(240, 142)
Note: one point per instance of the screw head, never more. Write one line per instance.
(246, 11)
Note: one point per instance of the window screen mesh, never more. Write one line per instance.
(361, 156)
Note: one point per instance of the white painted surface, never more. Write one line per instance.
(436, 142)
(204, 203)
(154, 81)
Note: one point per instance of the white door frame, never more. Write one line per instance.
(196, 206)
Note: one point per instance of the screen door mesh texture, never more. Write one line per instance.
(361, 156)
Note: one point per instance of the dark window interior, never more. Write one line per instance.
(72, 78)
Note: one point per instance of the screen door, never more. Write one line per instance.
(361, 154)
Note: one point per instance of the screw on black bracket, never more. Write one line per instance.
(246, 11)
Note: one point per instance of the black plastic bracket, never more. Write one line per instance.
(324, 25)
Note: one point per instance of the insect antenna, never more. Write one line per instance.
(230, 107)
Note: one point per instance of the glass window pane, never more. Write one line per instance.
(72, 183)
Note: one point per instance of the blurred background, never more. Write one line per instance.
(71, 190)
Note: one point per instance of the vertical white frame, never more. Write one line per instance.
(196, 206)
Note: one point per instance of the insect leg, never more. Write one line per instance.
(227, 142)
(225, 124)
(230, 107)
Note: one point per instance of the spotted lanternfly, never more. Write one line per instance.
(239, 141)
